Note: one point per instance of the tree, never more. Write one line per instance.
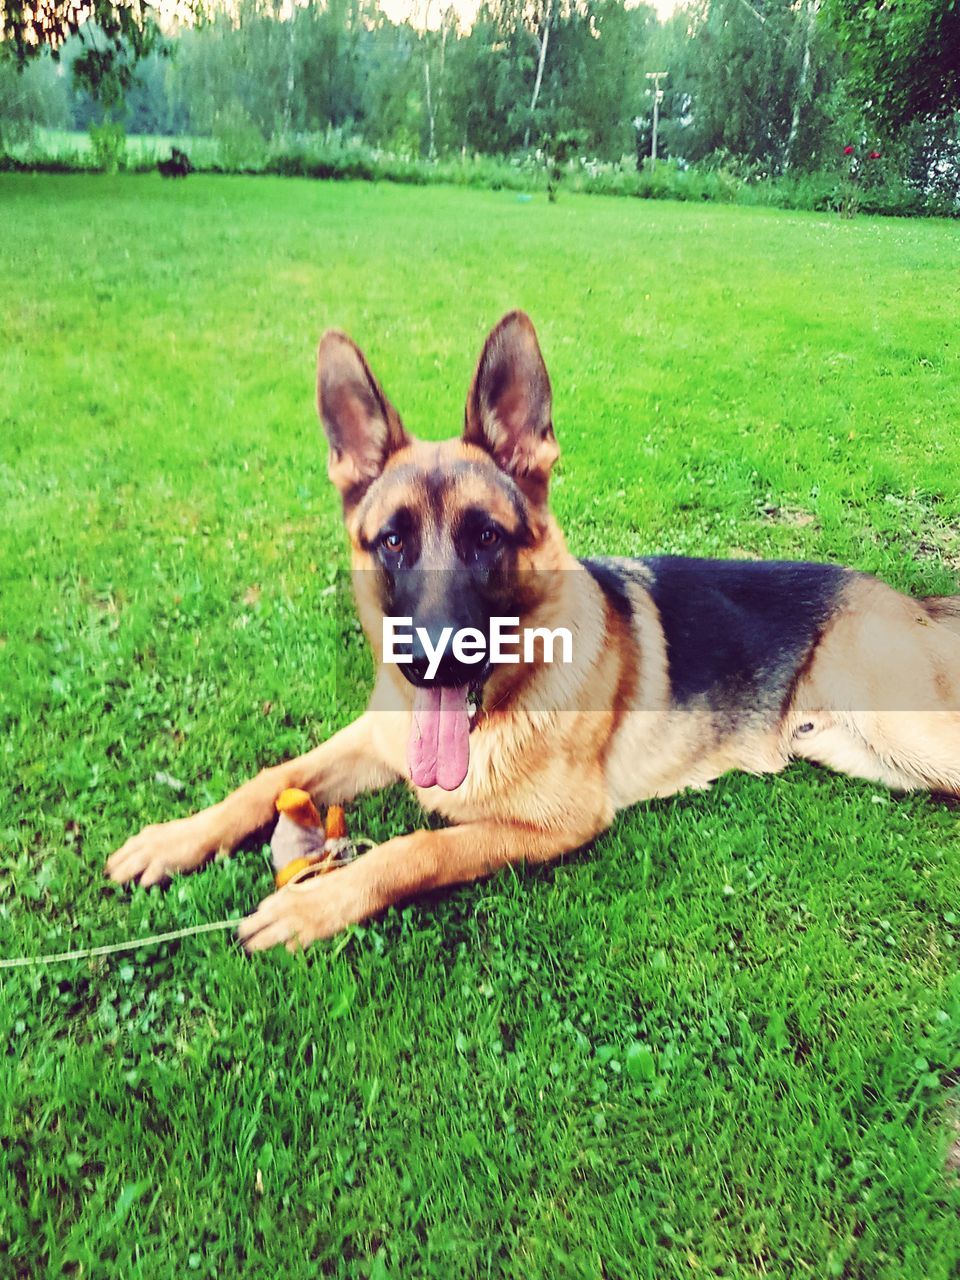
(903, 56)
(485, 84)
(390, 107)
(332, 76)
(747, 80)
(596, 84)
(116, 36)
(542, 37)
(800, 97)
(433, 51)
(31, 99)
(470, 63)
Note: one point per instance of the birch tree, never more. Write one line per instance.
(543, 39)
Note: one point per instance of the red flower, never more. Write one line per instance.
(874, 155)
(848, 151)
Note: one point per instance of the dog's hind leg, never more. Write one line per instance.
(881, 696)
(905, 750)
(944, 610)
(354, 760)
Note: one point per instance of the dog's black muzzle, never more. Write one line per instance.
(440, 603)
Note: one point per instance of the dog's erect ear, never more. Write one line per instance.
(509, 406)
(362, 426)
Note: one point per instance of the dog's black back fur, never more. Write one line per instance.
(737, 631)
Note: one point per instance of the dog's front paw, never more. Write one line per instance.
(299, 914)
(161, 851)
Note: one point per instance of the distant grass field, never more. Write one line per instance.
(722, 1041)
(140, 147)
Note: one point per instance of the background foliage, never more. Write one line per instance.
(758, 90)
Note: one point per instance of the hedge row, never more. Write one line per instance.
(886, 193)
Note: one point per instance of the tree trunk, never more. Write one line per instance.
(429, 103)
(441, 81)
(539, 80)
(812, 7)
(291, 80)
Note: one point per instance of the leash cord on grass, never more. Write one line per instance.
(111, 948)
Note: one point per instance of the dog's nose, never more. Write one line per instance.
(448, 671)
(416, 669)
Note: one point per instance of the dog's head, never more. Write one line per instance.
(447, 535)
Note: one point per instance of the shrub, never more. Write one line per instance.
(108, 142)
(238, 146)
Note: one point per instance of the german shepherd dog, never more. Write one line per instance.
(686, 668)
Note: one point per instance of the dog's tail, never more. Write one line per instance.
(945, 610)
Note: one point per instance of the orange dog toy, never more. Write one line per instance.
(302, 839)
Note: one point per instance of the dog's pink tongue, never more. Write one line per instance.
(438, 752)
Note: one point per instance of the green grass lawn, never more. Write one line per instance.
(720, 1042)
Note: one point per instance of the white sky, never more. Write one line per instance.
(427, 12)
(423, 13)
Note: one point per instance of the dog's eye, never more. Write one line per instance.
(489, 537)
(393, 542)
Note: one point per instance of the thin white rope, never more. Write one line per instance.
(111, 948)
